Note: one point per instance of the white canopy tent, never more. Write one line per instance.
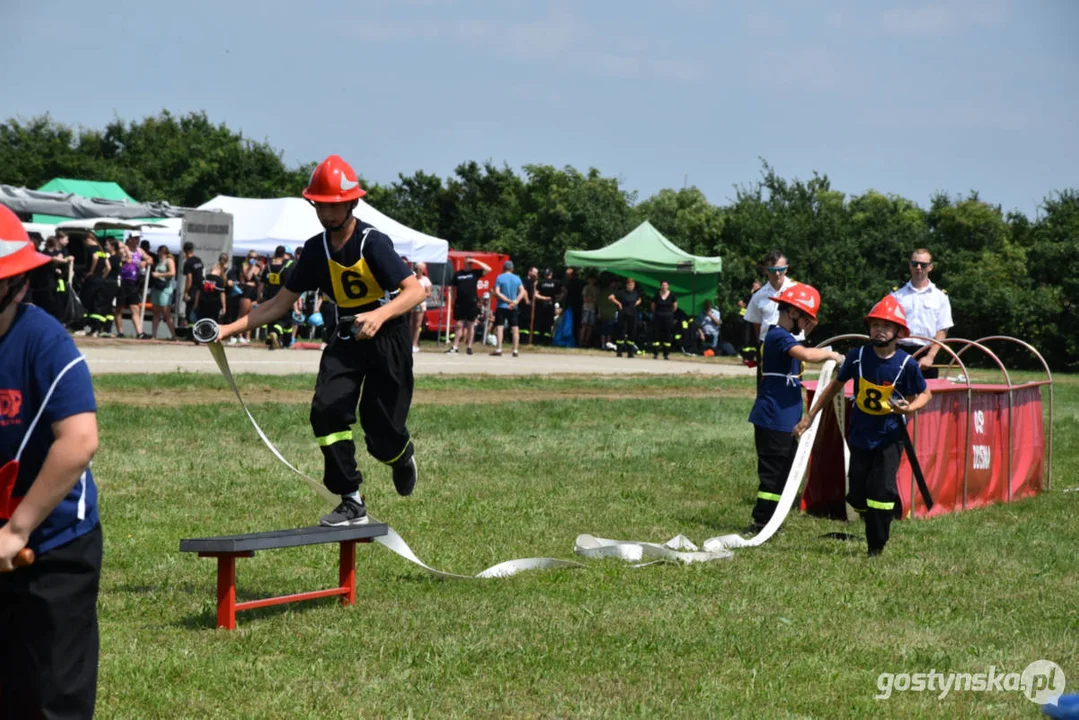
(262, 225)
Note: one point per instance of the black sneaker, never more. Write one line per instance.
(349, 512)
(404, 476)
(469, 350)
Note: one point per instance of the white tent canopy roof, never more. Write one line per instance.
(262, 225)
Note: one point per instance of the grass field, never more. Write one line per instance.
(800, 627)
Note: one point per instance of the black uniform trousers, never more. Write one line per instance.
(49, 633)
(544, 320)
(775, 456)
(376, 373)
(626, 336)
(873, 491)
(662, 331)
(102, 312)
(97, 296)
(283, 325)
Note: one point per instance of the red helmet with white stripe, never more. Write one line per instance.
(889, 309)
(17, 253)
(802, 296)
(333, 181)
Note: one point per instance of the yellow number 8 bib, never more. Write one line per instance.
(872, 399)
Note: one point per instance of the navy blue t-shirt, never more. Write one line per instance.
(779, 396)
(899, 375)
(40, 367)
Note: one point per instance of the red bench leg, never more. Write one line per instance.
(346, 574)
(226, 592)
(226, 587)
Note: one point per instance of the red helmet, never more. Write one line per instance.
(802, 296)
(889, 309)
(333, 181)
(17, 253)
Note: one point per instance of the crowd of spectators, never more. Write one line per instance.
(106, 280)
(107, 285)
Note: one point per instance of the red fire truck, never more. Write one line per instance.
(439, 314)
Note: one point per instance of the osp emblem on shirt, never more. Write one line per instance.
(10, 407)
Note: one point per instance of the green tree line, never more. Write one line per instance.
(1005, 273)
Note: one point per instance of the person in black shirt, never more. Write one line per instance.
(92, 282)
(547, 290)
(107, 269)
(192, 272)
(210, 299)
(369, 348)
(277, 272)
(664, 305)
(627, 299)
(526, 306)
(466, 307)
(49, 281)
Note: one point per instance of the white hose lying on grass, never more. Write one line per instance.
(720, 547)
(677, 549)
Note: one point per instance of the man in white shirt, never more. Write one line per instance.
(929, 312)
(761, 311)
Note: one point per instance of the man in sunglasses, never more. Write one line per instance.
(761, 311)
(928, 310)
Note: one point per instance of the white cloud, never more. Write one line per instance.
(392, 32)
(946, 117)
(943, 19)
(559, 39)
(679, 70)
(765, 25)
(810, 69)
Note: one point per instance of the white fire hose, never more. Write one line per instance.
(677, 549)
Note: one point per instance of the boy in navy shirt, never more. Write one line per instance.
(48, 503)
(887, 383)
(779, 395)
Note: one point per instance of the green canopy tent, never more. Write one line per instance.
(649, 258)
(82, 188)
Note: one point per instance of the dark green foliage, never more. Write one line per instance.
(1006, 274)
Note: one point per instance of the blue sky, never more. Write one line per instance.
(902, 97)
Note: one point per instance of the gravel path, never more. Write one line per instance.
(131, 356)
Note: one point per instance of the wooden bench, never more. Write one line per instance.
(227, 548)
